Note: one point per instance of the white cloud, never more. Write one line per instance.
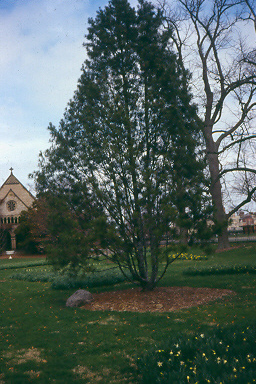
(41, 51)
(41, 56)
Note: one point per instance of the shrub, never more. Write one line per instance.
(223, 356)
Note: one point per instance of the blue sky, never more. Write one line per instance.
(41, 57)
(41, 45)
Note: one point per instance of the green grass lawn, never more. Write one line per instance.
(42, 341)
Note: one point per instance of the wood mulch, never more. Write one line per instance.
(161, 299)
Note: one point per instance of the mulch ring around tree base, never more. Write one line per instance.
(161, 299)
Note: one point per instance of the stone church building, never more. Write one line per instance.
(14, 198)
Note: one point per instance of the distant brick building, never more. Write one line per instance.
(244, 222)
(248, 222)
(14, 198)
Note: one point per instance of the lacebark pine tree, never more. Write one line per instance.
(207, 36)
(129, 135)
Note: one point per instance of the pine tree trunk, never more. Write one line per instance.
(184, 236)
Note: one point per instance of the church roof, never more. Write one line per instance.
(15, 194)
(11, 180)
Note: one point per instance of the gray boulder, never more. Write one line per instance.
(78, 298)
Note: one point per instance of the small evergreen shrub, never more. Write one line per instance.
(223, 356)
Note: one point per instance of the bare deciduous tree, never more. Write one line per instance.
(212, 39)
(249, 10)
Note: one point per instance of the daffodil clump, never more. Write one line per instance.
(221, 270)
(226, 356)
(188, 256)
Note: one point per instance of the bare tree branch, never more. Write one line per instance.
(225, 79)
(243, 139)
(244, 202)
(236, 169)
